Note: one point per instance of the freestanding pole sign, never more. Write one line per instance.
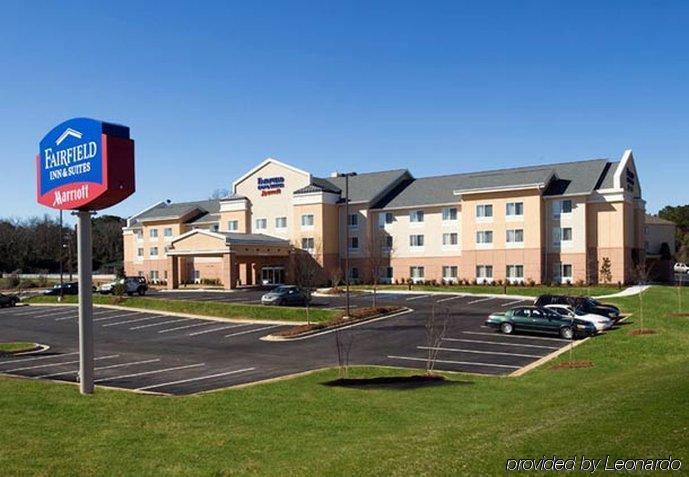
(85, 165)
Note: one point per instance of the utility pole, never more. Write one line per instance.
(347, 175)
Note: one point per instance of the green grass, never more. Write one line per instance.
(16, 347)
(217, 309)
(632, 403)
(495, 289)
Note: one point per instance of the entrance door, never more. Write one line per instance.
(272, 275)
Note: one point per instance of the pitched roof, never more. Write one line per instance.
(368, 186)
(240, 239)
(175, 210)
(655, 220)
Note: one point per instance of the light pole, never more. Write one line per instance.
(346, 176)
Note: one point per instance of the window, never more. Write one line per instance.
(484, 211)
(449, 214)
(566, 271)
(139, 252)
(353, 273)
(215, 227)
(387, 275)
(307, 221)
(261, 224)
(167, 232)
(153, 233)
(388, 242)
(153, 251)
(484, 237)
(416, 216)
(353, 243)
(484, 273)
(307, 243)
(154, 275)
(417, 273)
(566, 206)
(567, 234)
(233, 225)
(562, 235)
(416, 240)
(197, 276)
(515, 236)
(139, 234)
(450, 273)
(451, 238)
(562, 207)
(514, 209)
(385, 219)
(280, 222)
(515, 273)
(353, 221)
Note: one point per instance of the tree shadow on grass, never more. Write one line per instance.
(394, 382)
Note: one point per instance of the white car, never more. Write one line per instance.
(681, 268)
(601, 323)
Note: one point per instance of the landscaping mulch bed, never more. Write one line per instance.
(394, 382)
(357, 315)
(640, 332)
(573, 365)
(680, 315)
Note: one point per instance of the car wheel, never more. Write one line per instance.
(129, 293)
(507, 328)
(141, 292)
(566, 332)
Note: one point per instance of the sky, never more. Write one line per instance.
(210, 89)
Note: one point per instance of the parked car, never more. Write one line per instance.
(540, 320)
(586, 304)
(132, 285)
(8, 300)
(284, 295)
(681, 268)
(68, 288)
(600, 322)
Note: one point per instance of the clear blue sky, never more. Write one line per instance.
(209, 90)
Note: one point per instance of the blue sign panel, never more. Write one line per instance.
(71, 153)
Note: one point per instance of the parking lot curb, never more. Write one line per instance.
(487, 295)
(181, 315)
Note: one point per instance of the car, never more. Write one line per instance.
(8, 300)
(285, 295)
(681, 268)
(600, 322)
(540, 320)
(587, 304)
(132, 285)
(68, 288)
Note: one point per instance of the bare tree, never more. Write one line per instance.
(642, 272)
(344, 339)
(336, 277)
(606, 270)
(591, 272)
(436, 326)
(307, 272)
(378, 252)
(219, 193)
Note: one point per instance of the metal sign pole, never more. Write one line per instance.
(84, 248)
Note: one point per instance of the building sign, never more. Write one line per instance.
(271, 185)
(85, 164)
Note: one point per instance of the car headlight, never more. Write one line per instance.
(581, 327)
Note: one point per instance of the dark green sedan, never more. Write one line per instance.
(539, 320)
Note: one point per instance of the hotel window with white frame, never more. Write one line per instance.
(353, 273)
(139, 252)
(215, 227)
(416, 216)
(261, 224)
(515, 236)
(386, 219)
(562, 207)
(154, 275)
(308, 244)
(353, 221)
(450, 273)
(386, 275)
(153, 233)
(515, 273)
(562, 236)
(307, 221)
(139, 234)
(484, 273)
(484, 237)
(153, 251)
(566, 272)
(416, 241)
(387, 243)
(353, 243)
(233, 225)
(484, 211)
(167, 232)
(280, 222)
(514, 209)
(450, 239)
(417, 273)
(449, 214)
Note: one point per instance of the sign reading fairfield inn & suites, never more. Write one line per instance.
(85, 164)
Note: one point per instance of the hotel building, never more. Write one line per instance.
(551, 222)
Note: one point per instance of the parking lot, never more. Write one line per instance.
(154, 352)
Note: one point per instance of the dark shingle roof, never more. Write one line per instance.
(369, 186)
(175, 210)
(655, 220)
(262, 239)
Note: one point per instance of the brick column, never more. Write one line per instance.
(230, 271)
(173, 279)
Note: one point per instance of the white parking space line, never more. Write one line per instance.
(516, 336)
(112, 356)
(73, 314)
(195, 325)
(474, 351)
(183, 381)
(36, 358)
(449, 298)
(158, 324)
(116, 316)
(510, 303)
(134, 321)
(218, 328)
(480, 300)
(417, 297)
(147, 373)
(250, 331)
(502, 344)
(445, 361)
(121, 365)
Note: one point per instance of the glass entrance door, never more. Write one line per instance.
(272, 275)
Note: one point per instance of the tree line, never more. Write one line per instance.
(680, 216)
(33, 245)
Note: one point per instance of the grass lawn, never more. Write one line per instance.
(218, 309)
(511, 290)
(16, 347)
(632, 403)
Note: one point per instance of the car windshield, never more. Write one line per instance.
(282, 289)
(579, 312)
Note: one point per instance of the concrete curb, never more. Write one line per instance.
(448, 293)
